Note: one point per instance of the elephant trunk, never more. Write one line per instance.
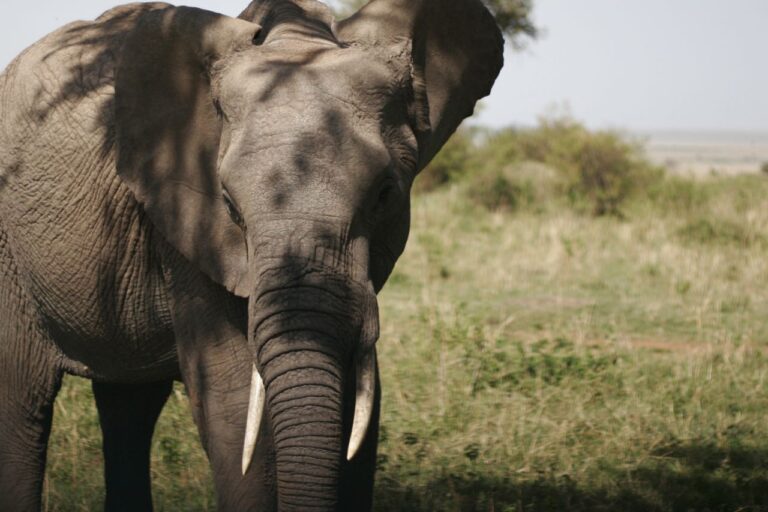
(309, 327)
(304, 400)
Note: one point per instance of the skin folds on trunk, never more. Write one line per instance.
(304, 400)
(306, 323)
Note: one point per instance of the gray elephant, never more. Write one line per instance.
(185, 195)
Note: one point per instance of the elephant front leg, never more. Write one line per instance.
(218, 383)
(30, 378)
(127, 414)
(216, 367)
(28, 387)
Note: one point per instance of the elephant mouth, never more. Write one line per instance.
(365, 387)
(302, 336)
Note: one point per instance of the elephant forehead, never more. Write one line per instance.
(315, 147)
(322, 76)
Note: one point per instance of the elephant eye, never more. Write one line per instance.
(234, 214)
(387, 194)
(219, 111)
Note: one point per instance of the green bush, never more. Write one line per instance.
(495, 191)
(601, 168)
(597, 171)
(523, 185)
(454, 160)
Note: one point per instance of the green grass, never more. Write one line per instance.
(543, 360)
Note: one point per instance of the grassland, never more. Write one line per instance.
(541, 360)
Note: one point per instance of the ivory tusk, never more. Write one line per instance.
(365, 370)
(253, 422)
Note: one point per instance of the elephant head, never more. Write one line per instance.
(276, 152)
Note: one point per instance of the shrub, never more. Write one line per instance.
(600, 169)
(495, 191)
(764, 168)
(454, 160)
(597, 170)
(523, 185)
(609, 170)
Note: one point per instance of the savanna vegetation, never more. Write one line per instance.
(570, 329)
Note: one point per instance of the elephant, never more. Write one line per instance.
(190, 196)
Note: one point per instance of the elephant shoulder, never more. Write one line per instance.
(73, 64)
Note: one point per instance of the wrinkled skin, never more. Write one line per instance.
(189, 196)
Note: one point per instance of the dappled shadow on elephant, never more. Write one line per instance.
(8, 173)
(222, 205)
(696, 476)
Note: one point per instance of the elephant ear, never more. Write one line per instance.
(167, 133)
(456, 50)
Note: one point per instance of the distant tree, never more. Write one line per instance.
(513, 16)
(764, 168)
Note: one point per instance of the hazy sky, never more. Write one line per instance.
(643, 64)
(633, 64)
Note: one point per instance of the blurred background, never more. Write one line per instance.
(579, 321)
